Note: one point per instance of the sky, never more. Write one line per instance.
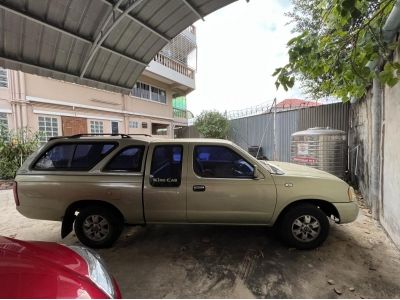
(239, 47)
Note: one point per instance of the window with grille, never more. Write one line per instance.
(146, 91)
(3, 78)
(96, 127)
(144, 124)
(48, 127)
(133, 124)
(3, 123)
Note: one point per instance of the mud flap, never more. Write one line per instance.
(67, 223)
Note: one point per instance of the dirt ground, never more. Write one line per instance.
(357, 261)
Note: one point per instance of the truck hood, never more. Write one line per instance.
(296, 170)
(306, 183)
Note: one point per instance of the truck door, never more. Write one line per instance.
(222, 188)
(164, 191)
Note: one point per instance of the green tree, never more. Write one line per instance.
(335, 41)
(212, 124)
(15, 147)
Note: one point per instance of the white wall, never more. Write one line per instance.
(390, 214)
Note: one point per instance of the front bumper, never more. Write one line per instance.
(348, 211)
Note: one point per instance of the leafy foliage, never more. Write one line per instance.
(15, 147)
(212, 124)
(335, 42)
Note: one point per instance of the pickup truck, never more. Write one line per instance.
(96, 184)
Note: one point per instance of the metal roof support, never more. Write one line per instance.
(103, 35)
(148, 27)
(70, 34)
(196, 12)
(6, 59)
(110, 16)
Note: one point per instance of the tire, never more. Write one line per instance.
(304, 227)
(98, 227)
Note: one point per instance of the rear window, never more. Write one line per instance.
(128, 160)
(74, 157)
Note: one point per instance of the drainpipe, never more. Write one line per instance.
(389, 31)
(375, 162)
(392, 24)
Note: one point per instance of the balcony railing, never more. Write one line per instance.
(182, 113)
(174, 65)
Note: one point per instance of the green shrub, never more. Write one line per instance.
(212, 124)
(15, 147)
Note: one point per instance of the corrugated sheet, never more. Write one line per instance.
(334, 115)
(101, 43)
(249, 131)
(286, 125)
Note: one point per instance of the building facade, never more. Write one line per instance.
(56, 108)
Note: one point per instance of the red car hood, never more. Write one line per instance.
(52, 253)
(43, 270)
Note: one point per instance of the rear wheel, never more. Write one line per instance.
(98, 227)
(304, 227)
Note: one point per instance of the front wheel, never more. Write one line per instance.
(304, 227)
(98, 227)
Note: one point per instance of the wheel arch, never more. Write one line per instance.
(70, 213)
(327, 207)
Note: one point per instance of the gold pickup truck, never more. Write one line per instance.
(96, 184)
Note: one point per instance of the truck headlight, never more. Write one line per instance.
(97, 270)
(352, 194)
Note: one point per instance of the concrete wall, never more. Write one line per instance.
(359, 144)
(383, 198)
(390, 214)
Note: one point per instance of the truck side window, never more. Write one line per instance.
(128, 160)
(166, 166)
(220, 162)
(74, 157)
(58, 157)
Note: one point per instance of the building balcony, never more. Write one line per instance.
(179, 76)
(174, 65)
(181, 116)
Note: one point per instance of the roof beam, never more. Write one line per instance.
(70, 34)
(193, 9)
(10, 60)
(144, 25)
(101, 37)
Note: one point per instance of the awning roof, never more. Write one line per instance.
(99, 43)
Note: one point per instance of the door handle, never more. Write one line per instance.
(199, 188)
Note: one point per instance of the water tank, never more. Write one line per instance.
(322, 148)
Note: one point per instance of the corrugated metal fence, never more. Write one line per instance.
(256, 130)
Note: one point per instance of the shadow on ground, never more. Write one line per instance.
(221, 261)
(182, 261)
